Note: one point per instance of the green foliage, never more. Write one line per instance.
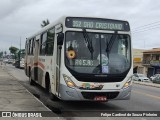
(13, 50)
(20, 54)
(1, 54)
(45, 23)
(5, 53)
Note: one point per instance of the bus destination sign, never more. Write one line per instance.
(97, 23)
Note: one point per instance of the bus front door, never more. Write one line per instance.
(57, 56)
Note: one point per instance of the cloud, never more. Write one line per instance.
(9, 7)
(22, 18)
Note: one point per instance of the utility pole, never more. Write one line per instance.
(20, 43)
(19, 53)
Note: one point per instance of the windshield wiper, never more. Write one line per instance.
(111, 42)
(89, 42)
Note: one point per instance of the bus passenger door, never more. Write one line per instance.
(36, 52)
(57, 59)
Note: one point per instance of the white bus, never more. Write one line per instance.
(82, 59)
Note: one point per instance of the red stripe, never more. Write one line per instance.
(38, 64)
(41, 64)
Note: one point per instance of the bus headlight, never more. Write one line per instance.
(128, 83)
(68, 81)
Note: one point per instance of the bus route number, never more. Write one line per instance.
(83, 24)
(77, 23)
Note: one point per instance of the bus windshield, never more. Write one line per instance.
(97, 53)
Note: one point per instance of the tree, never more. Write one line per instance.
(45, 23)
(1, 54)
(13, 50)
(5, 53)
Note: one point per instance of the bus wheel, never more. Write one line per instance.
(52, 97)
(31, 82)
(48, 88)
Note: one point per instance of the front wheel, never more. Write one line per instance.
(51, 96)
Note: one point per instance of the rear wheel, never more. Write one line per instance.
(31, 81)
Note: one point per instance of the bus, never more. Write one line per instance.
(19, 58)
(82, 59)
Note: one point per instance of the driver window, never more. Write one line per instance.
(123, 46)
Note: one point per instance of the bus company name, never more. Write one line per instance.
(98, 25)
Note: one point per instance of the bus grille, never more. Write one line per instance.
(92, 95)
(100, 79)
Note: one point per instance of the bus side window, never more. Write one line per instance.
(29, 47)
(50, 42)
(26, 47)
(43, 43)
(32, 47)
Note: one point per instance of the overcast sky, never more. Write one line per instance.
(22, 18)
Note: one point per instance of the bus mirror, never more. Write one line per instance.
(60, 38)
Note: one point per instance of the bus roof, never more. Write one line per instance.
(60, 20)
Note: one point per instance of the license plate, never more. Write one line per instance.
(100, 98)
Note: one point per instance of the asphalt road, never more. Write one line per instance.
(143, 98)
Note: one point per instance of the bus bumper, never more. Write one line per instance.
(124, 94)
(75, 94)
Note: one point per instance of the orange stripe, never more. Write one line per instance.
(38, 64)
(41, 64)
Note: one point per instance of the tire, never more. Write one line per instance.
(51, 96)
(31, 82)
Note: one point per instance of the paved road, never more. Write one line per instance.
(144, 98)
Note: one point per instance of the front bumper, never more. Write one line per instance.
(75, 94)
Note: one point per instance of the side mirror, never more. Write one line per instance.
(60, 38)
